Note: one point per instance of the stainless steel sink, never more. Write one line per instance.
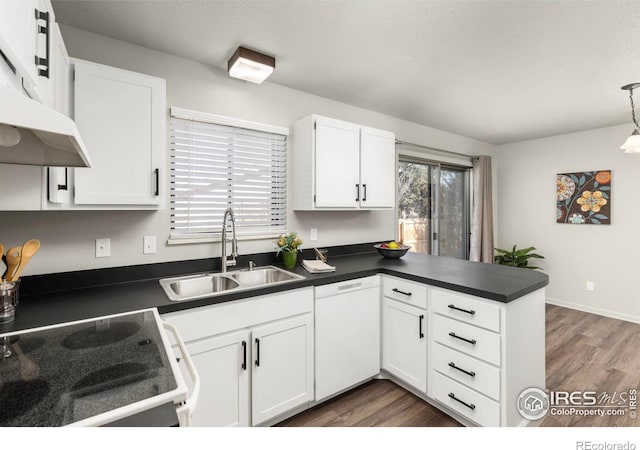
(191, 287)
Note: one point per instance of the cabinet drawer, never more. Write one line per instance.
(472, 405)
(405, 291)
(469, 371)
(466, 308)
(474, 341)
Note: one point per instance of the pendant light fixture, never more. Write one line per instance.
(632, 144)
(250, 65)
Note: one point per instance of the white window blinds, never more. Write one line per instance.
(216, 164)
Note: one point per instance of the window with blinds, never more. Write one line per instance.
(219, 163)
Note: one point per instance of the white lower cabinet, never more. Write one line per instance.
(483, 354)
(469, 356)
(254, 357)
(404, 343)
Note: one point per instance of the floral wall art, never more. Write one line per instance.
(584, 197)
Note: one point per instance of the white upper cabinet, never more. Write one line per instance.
(121, 116)
(27, 40)
(339, 165)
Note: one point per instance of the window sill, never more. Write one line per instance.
(181, 240)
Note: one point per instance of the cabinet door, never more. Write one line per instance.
(347, 340)
(223, 365)
(282, 367)
(337, 163)
(404, 343)
(121, 117)
(377, 168)
(19, 37)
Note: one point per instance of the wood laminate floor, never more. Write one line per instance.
(584, 351)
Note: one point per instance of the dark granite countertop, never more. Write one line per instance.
(55, 298)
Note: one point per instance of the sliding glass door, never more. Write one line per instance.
(433, 208)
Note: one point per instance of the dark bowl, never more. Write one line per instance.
(393, 253)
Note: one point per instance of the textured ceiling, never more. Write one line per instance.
(495, 71)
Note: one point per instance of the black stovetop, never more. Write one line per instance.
(64, 374)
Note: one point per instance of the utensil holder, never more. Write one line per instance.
(324, 252)
(8, 300)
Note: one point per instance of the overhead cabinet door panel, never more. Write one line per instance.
(337, 164)
(377, 168)
(120, 116)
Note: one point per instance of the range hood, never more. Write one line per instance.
(36, 135)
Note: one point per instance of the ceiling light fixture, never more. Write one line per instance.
(632, 144)
(250, 65)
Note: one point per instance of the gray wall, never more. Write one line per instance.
(607, 255)
(68, 237)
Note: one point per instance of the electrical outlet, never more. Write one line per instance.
(103, 248)
(590, 286)
(313, 234)
(149, 245)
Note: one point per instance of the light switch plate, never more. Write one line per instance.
(149, 245)
(313, 235)
(103, 248)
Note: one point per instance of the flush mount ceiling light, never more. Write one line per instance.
(632, 144)
(250, 65)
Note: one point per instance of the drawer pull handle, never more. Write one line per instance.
(468, 311)
(471, 406)
(471, 373)
(408, 294)
(420, 319)
(470, 341)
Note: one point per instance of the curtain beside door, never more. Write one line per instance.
(482, 211)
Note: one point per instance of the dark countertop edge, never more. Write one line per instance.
(84, 301)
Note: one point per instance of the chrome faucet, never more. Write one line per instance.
(234, 243)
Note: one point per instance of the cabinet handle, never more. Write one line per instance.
(364, 197)
(420, 319)
(65, 186)
(471, 373)
(408, 294)
(244, 355)
(470, 341)
(468, 311)
(43, 63)
(471, 406)
(257, 352)
(357, 192)
(157, 173)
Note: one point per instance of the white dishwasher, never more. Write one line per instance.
(347, 334)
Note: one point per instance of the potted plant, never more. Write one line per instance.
(517, 257)
(288, 244)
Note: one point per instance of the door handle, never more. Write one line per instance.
(257, 352)
(244, 355)
(43, 63)
(357, 192)
(157, 174)
(364, 197)
(420, 319)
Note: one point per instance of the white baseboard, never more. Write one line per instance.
(589, 309)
